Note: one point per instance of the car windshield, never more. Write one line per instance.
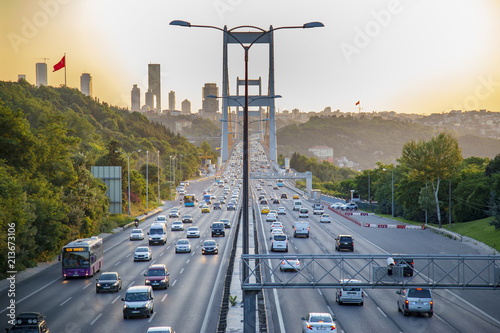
(186, 217)
(420, 293)
(155, 231)
(108, 276)
(142, 249)
(351, 289)
(209, 243)
(136, 297)
(345, 239)
(320, 318)
(182, 241)
(326, 215)
(156, 272)
(279, 237)
(193, 229)
(137, 231)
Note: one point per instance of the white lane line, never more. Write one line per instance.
(153, 262)
(143, 272)
(98, 316)
(173, 284)
(182, 270)
(65, 301)
(152, 316)
(168, 247)
(117, 263)
(187, 262)
(117, 298)
(128, 255)
(319, 292)
(88, 285)
(474, 307)
(33, 293)
(161, 254)
(164, 297)
(382, 312)
(130, 285)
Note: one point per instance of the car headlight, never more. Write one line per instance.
(98, 284)
(147, 281)
(164, 280)
(125, 306)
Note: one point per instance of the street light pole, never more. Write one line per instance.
(392, 188)
(147, 178)
(158, 165)
(128, 171)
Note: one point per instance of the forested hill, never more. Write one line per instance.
(49, 139)
(367, 141)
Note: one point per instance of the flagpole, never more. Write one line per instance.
(65, 69)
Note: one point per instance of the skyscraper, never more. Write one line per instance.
(171, 100)
(135, 96)
(86, 84)
(210, 105)
(154, 84)
(150, 99)
(186, 107)
(41, 74)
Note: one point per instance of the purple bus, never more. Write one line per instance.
(82, 257)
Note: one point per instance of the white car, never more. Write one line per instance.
(137, 234)
(281, 211)
(290, 264)
(161, 219)
(182, 245)
(336, 205)
(271, 217)
(277, 225)
(143, 253)
(177, 225)
(304, 212)
(193, 232)
(318, 322)
(325, 218)
(174, 213)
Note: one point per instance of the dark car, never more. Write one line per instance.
(187, 218)
(263, 201)
(157, 276)
(30, 322)
(217, 205)
(227, 223)
(344, 242)
(284, 196)
(276, 201)
(406, 263)
(108, 281)
(217, 229)
(231, 206)
(209, 246)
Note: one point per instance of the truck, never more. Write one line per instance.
(301, 228)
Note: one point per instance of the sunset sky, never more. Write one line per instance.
(419, 56)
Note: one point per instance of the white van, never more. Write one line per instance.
(279, 243)
(157, 233)
(351, 293)
(301, 228)
(297, 205)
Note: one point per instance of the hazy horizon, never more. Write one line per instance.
(404, 56)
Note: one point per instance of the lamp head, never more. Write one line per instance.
(180, 23)
(311, 25)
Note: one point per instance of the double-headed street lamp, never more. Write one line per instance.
(251, 316)
(128, 171)
(392, 186)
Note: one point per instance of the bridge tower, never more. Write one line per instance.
(229, 101)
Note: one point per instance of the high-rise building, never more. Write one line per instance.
(135, 96)
(186, 107)
(154, 84)
(86, 84)
(41, 74)
(21, 76)
(171, 100)
(150, 99)
(210, 105)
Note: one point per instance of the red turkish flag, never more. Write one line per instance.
(357, 103)
(60, 64)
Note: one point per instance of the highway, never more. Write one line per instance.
(192, 302)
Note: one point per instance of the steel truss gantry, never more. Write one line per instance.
(327, 271)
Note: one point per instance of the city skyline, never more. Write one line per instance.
(403, 56)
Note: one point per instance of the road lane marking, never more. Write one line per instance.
(164, 297)
(98, 316)
(182, 270)
(319, 291)
(128, 255)
(153, 262)
(187, 262)
(33, 293)
(65, 301)
(88, 285)
(152, 316)
(382, 312)
(130, 285)
(117, 263)
(161, 254)
(173, 284)
(117, 298)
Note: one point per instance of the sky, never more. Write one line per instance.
(408, 56)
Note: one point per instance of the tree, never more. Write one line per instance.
(494, 211)
(432, 161)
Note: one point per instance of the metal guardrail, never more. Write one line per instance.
(327, 271)
(268, 175)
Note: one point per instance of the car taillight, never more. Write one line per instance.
(333, 328)
(309, 326)
(283, 262)
(340, 294)
(406, 304)
(431, 303)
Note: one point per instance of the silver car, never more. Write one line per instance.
(137, 234)
(177, 225)
(193, 232)
(143, 253)
(318, 322)
(182, 245)
(351, 293)
(415, 300)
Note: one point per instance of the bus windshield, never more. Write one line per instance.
(189, 200)
(76, 259)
